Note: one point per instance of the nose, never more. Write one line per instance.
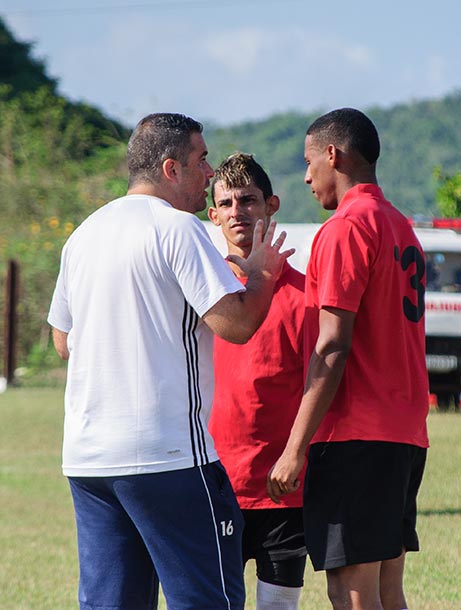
(307, 176)
(235, 209)
(209, 171)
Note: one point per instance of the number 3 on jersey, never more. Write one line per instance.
(410, 255)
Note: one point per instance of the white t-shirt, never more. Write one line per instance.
(135, 278)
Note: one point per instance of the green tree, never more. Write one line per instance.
(56, 167)
(448, 194)
(18, 68)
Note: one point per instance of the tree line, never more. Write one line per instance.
(60, 160)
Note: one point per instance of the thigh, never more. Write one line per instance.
(115, 567)
(275, 539)
(191, 523)
(355, 499)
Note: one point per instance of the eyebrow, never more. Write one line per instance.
(244, 197)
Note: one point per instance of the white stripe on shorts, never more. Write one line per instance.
(217, 539)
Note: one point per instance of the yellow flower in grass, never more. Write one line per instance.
(53, 222)
(47, 245)
(68, 228)
(35, 228)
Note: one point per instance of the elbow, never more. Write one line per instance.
(339, 350)
(238, 334)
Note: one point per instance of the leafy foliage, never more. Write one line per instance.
(415, 138)
(56, 167)
(449, 193)
(17, 66)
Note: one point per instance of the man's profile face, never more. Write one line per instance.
(320, 173)
(196, 175)
(238, 209)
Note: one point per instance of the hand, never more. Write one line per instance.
(283, 476)
(265, 257)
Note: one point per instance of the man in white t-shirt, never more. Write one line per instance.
(140, 292)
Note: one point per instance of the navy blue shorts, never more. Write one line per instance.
(360, 501)
(274, 537)
(185, 525)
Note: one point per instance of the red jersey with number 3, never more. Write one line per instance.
(366, 259)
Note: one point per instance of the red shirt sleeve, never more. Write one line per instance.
(342, 264)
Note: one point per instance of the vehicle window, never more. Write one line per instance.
(443, 271)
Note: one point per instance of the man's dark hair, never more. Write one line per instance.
(158, 137)
(239, 170)
(349, 128)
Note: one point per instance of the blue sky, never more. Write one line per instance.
(225, 61)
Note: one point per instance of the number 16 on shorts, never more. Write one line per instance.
(227, 528)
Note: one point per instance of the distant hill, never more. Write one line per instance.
(415, 138)
(17, 66)
(21, 73)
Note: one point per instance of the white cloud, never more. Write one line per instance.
(239, 51)
(437, 71)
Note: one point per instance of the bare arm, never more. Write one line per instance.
(60, 343)
(237, 316)
(325, 371)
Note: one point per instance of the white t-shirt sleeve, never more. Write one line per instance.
(199, 268)
(59, 315)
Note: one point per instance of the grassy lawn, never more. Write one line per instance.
(38, 562)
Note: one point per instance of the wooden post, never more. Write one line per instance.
(11, 301)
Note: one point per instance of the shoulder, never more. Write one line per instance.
(289, 288)
(292, 278)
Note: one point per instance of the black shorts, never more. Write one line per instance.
(360, 501)
(274, 537)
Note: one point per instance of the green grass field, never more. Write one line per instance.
(38, 560)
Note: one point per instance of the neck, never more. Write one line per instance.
(243, 252)
(351, 181)
(152, 190)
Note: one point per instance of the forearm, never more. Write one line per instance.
(60, 343)
(236, 317)
(324, 376)
(326, 368)
(239, 315)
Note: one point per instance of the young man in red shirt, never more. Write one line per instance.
(365, 403)
(258, 387)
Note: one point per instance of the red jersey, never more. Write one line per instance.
(258, 390)
(367, 259)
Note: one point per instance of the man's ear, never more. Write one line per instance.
(272, 205)
(333, 154)
(213, 216)
(170, 168)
